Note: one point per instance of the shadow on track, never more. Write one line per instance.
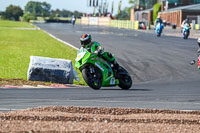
(127, 90)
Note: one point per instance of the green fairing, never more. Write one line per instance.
(86, 58)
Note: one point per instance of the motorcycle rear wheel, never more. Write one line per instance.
(94, 80)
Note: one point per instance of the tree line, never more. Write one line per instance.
(35, 9)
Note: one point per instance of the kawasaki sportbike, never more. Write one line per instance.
(158, 29)
(98, 73)
(186, 31)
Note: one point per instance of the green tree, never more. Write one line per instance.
(55, 13)
(150, 3)
(78, 14)
(1, 14)
(133, 3)
(27, 17)
(38, 8)
(143, 3)
(65, 13)
(124, 14)
(12, 13)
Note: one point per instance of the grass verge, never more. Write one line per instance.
(6, 23)
(17, 45)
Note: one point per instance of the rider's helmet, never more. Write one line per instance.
(85, 40)
(187, 24)
(187, 20)
(198, 41)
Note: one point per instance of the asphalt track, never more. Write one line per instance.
(159, 66)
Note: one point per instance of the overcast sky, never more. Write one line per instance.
(72, 5)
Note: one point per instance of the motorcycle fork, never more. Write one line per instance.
(91, 69)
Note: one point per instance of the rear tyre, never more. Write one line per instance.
(92, 78)
(125, 81)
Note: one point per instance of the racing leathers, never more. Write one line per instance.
(95, 47)
(186, 21)
(158, 20)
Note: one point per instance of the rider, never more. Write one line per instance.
(198, 51)
(186, 21)
(73, 20)
(95, 47)
(158, 20)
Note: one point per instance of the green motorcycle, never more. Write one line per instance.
(98, 73)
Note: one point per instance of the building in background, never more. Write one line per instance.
(167, 4)
(172, 11)
(178, 14)
(143, 10)
(144, 4)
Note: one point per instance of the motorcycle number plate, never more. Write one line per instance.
(112, 81)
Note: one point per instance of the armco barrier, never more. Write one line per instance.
(105, 21)
(127, 24)
(124, 24)
(197, 27)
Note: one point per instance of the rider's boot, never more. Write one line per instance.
(115, 65)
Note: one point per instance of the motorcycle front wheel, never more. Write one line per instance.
(93, 77)
(185, 35)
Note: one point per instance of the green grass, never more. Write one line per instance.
(6, 23)
(17, 45)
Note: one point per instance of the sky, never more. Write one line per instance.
(72, 5)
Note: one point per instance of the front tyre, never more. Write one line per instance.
(158, 33)
(125, 81)
(185, 36)
(92, 77)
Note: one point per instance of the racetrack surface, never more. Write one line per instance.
(148, 58)
(160, 69)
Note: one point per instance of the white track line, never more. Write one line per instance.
(58, 39)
